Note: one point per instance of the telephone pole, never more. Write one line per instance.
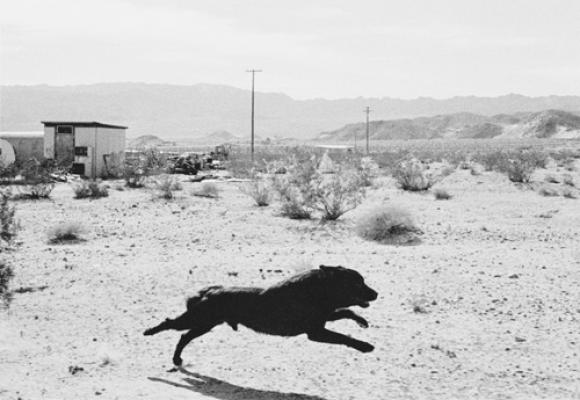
(367, 110)
(253, 71)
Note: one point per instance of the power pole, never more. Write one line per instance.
(253, 71)
(367, 111)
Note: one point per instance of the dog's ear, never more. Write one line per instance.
(327, 268)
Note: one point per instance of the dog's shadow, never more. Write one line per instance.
(219, 389)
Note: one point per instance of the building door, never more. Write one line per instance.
(64, 145)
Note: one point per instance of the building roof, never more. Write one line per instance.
(94, 124)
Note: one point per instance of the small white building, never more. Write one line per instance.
(93, 149)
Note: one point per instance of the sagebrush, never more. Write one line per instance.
(388, 225)
(66, 232)
(90, 189)
(260, 191)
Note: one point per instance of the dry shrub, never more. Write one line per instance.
(569, 194)
(411, 175)
(6, 275)
(294, 189)
(337, 193)
(259, 191)
(207, 189)
(548, 192)
(35, 192)
(65, 232)
(8, 225)
(90, 189)
(520, 165)
(442, 194)
(166, 185)
(568, 180)
(388, 225)
(491, 160)
(551, 179)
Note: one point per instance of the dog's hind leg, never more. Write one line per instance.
(325, 336)
(345, 313)
(188, 337)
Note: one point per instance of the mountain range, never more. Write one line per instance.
(542, 124)
(178, 111)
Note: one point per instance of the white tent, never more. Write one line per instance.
(7, 156)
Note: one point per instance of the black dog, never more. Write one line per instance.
(300, 304)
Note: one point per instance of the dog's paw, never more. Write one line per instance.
(148, 332)
(177, 361)
(365, 347)
(363, 323)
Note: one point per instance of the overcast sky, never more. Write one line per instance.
(307, 48)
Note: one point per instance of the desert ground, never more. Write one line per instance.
(486, 306)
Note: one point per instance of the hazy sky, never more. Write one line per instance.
(307, 48)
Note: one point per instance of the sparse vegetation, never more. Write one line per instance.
(568, 180)
(207, 189)
(412, 176)
(66, 232)
(35, 192)
(8, 224)
(260, 191)
(569, 194)
(166, 185)
(335, 194)
(90, 189)
(6, 275)
(519, 166)
(388, 225)
(441, 194)
(548, 191)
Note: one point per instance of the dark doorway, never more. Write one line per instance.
(64, 145)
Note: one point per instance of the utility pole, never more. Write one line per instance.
(367, 110)
(253, 71)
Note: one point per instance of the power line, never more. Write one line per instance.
(253, 71)
(367, 110)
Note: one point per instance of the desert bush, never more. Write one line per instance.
(569, 194)
(90, 189)
(35, 192)
(166, 185)
(548, 192)
(387, 224)
(335, 194)
(6, 275)
(259, 191)
(369, 170)
(65, 232)
(411, 175)
(8, 225)
(442, 194)
(519, 166)
(568, 180)
(207, 189)
(551, 179)
(148, 162)
(491, 160)
(293, 189)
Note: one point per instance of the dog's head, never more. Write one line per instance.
(348, 286)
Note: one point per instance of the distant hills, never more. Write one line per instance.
(176, 111)
(543, 124)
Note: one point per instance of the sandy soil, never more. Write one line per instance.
(499, 281)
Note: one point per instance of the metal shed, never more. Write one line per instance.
(92, 148)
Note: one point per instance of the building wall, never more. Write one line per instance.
(49, 142)
(110, 146)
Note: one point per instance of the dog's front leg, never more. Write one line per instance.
(345, 313)
(188, 337)
(325, 336)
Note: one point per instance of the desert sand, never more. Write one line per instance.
(495, 279)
